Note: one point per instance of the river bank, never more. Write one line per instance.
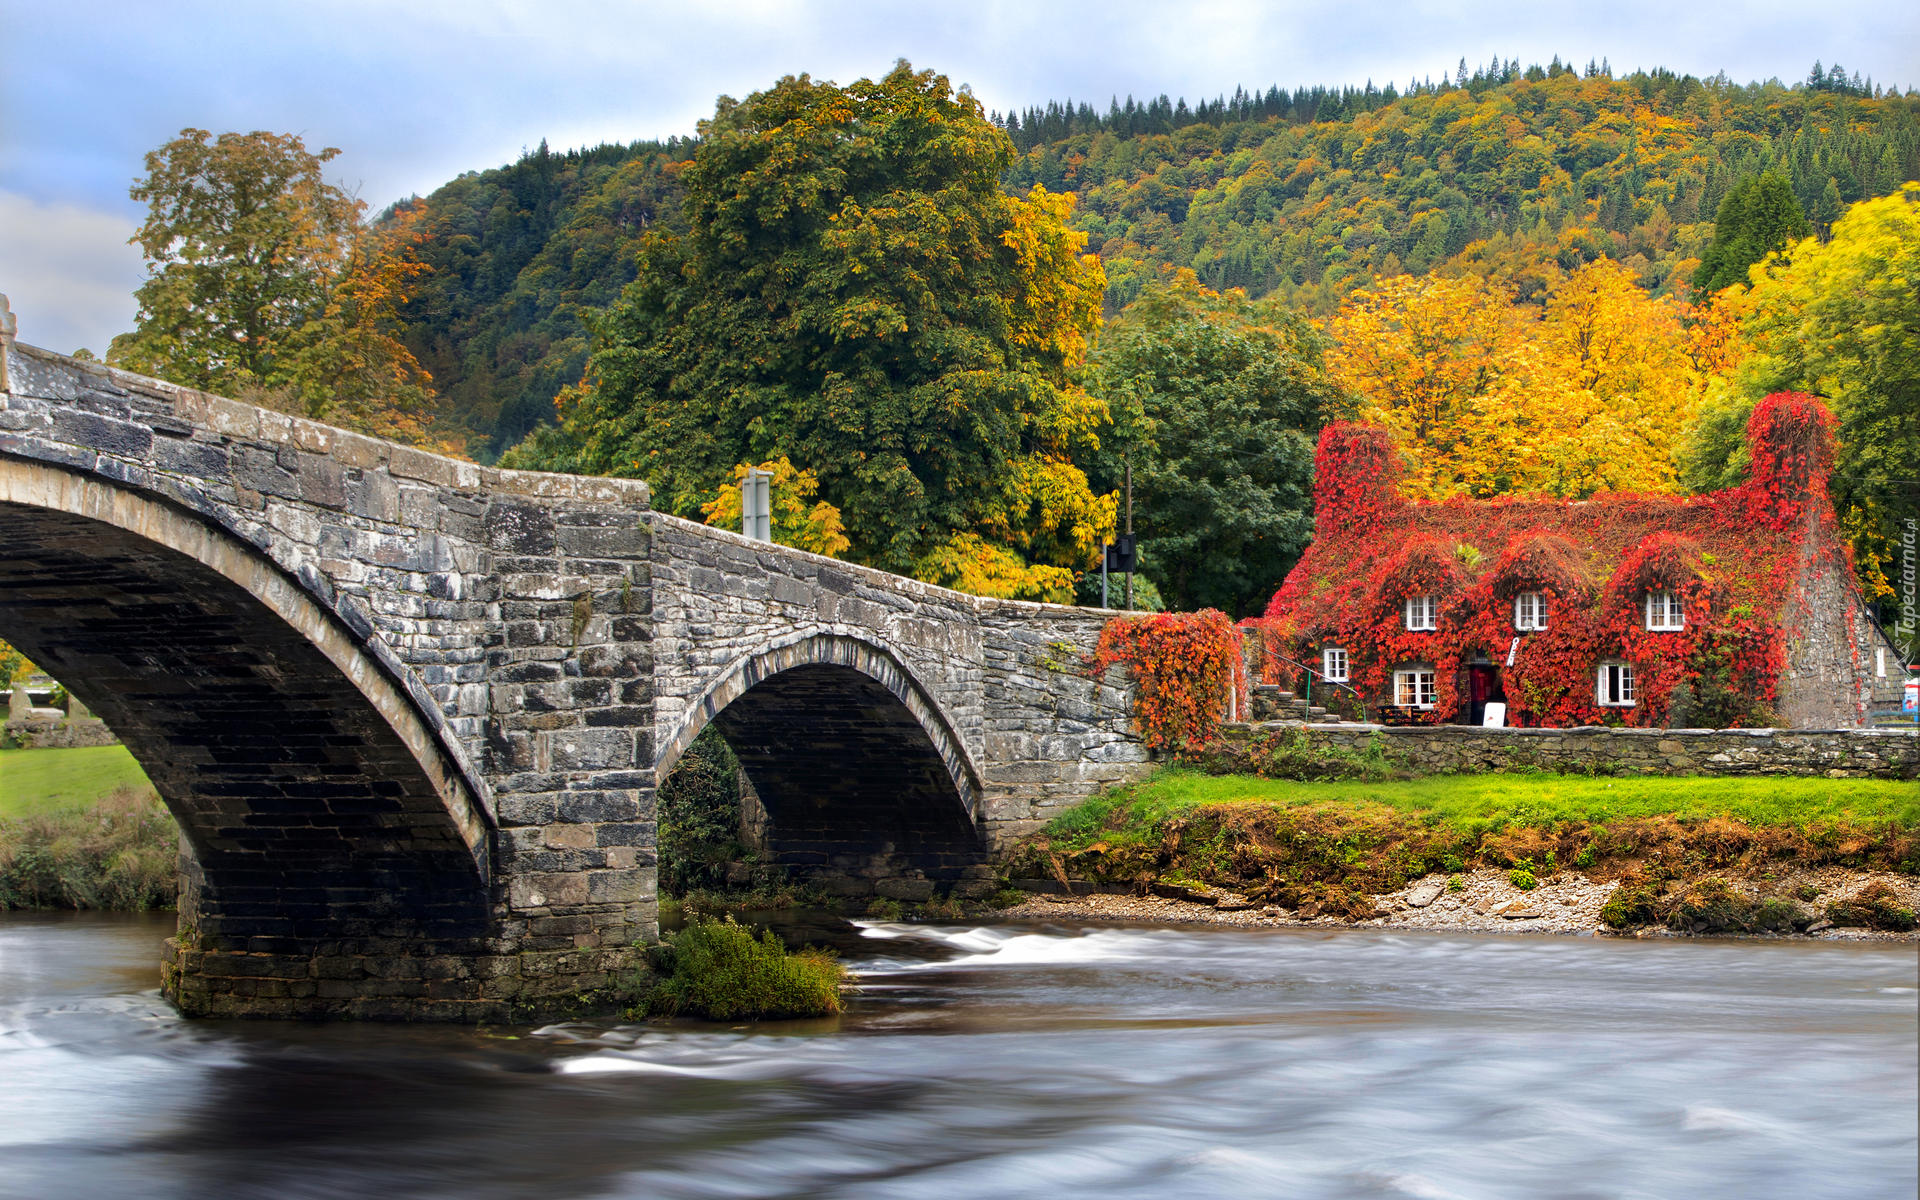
(81, 827)
(1485, 901)
(1509, 852)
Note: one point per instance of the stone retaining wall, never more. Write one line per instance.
(1459, 749)
(56, 732)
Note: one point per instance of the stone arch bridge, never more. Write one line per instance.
(410, 712)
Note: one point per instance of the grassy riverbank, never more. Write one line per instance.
(81, 828)
(34, 782)
(1331, 847)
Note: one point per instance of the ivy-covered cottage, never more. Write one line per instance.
(1737, 608)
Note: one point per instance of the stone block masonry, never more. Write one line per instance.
(951, 724)
(1463, 749)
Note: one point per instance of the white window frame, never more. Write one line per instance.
(1422, 614)
(1530, 612)
(1415, 687)
(1333, 664)
(1665, 612)
(1613, 685)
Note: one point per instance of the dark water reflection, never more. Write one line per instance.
(1013, 1062)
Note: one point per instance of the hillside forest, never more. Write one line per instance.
(961, 333)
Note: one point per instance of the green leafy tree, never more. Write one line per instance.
(264, 283)
(1305, 194)
(1840, 320)
(854, 291)
(1217, 403)
(1756, 218)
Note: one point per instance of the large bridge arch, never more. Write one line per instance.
(321, 805)
(856, 766)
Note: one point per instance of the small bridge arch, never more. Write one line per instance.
(848, 754)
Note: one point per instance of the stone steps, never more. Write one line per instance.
(1272, 703)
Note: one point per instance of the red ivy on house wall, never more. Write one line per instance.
(1731, 557)
(1187, 671)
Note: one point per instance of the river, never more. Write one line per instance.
(1011, 1061)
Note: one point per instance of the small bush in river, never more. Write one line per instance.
(719, 970)
(1456, 884)
(1522, 879)
(881, 908)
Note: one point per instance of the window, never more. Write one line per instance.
(1413, 687)
(1420, 613)
(1664, 612)
(1333, 664)
(1616, 685)
(1530, 611)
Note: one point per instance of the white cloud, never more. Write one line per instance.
(68, 273)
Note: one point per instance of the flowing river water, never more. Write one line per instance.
(1012, 1061)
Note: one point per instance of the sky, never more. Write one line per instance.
(414, 94)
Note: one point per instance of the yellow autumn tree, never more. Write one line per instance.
(1626, 359)
(799, 519)
(968, 562)
(1486, 396)
(1429, 358)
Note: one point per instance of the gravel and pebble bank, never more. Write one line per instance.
(1483, 901)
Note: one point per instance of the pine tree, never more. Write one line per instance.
(1758, 216)
(1828, 210)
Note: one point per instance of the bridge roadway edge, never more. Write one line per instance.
(552, 633)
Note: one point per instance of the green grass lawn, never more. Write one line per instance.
(52, 781)
(1478, 801)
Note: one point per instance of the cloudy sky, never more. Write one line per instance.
(416, 93)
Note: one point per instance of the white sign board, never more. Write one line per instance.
(1912, 701)
(1496, 715)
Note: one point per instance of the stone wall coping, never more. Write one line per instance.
(892, 582)
(1556, 731)
(250, 422)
